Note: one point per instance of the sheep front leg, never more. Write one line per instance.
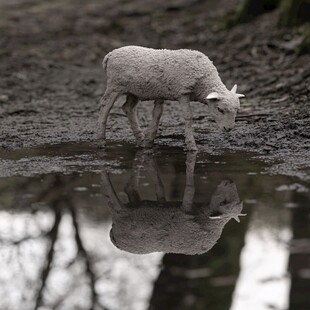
(106, 104)
(189, 136)
(153, 126)
(130, 108)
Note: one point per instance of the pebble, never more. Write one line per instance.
(4, 98)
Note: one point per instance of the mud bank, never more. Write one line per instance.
(51, 76)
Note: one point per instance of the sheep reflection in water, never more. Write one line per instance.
(185, 227)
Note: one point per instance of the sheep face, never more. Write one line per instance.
(225, 201)
(224, 107)
(224, 111)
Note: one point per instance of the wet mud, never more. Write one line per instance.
(51, 76)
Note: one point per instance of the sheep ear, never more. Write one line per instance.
(213, 96)
(237, 216)
(215, 217)
(234, 91)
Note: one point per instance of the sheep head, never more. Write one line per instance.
(224, 107)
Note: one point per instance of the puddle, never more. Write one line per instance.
(82, 228)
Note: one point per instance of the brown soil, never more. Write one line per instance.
(52, 79)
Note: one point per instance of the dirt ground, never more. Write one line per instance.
(52, 78)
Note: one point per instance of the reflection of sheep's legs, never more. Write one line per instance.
(189, 191)
(130, 108)
(153, 126)
(109, 193)
(154, 173)
(189, 136)
(106, 104)
(144, 159)
(131, 189)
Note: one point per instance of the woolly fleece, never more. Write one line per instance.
(161, 74)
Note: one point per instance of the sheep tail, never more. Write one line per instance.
(105, 60)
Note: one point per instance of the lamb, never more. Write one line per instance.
(160, 74)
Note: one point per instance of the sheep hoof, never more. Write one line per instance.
(142, 142)
(101, 144)
(146, 144)
(192, 148)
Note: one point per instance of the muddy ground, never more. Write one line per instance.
(52, 79)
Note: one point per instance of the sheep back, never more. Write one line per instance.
(156, 73)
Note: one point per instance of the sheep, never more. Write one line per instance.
(160, 74)
(146, 226)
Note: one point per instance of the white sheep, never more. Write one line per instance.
(161, 74)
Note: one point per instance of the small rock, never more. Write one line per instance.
(4, 98)
(21, 76)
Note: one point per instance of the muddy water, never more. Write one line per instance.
(82, 228)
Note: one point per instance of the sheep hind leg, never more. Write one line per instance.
(130, 108)
(106, 104)
(154, 124)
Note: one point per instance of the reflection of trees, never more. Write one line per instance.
(60, 204)
(299, 260)
(63, 256)
(201, 282)
(207, 281)
(81, 251)
(52, 237)
(263, 280)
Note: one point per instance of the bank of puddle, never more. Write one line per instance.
(122, 228)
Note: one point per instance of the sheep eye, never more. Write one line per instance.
(220, 110)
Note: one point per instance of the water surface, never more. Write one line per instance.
(189, 232)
